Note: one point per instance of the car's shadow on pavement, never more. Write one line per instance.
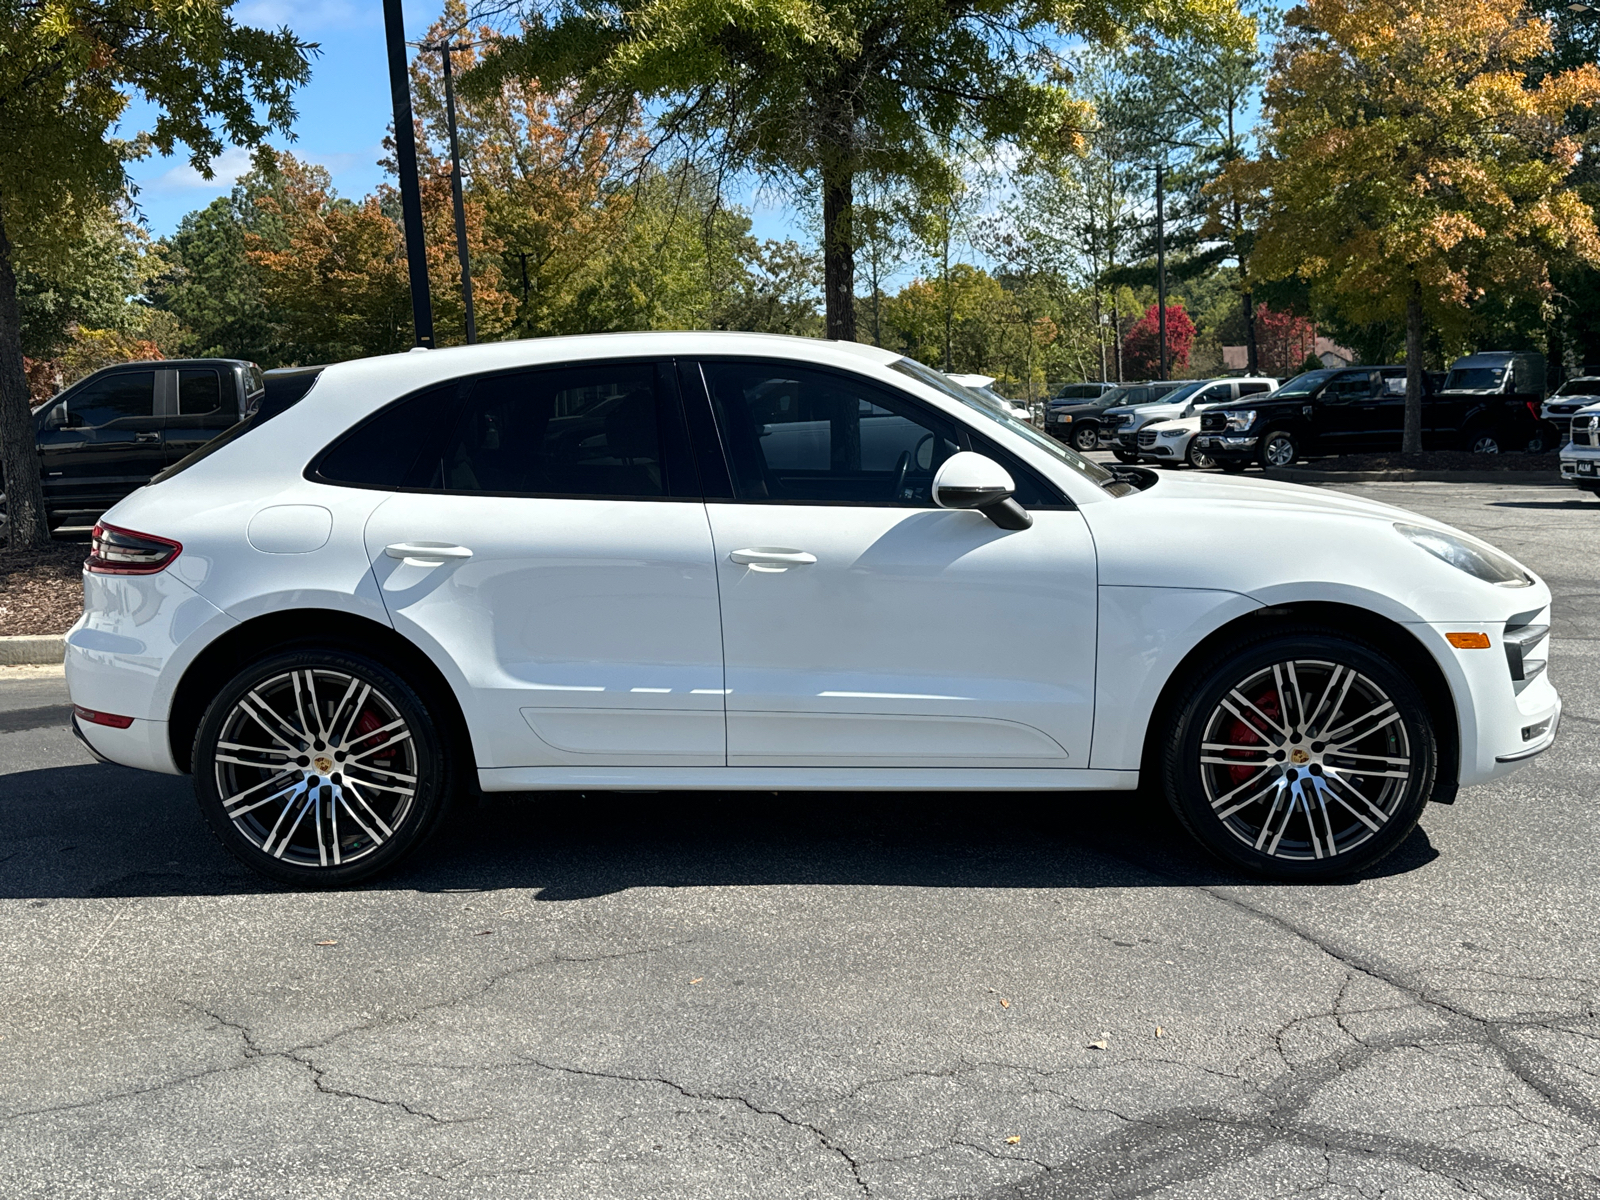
(98, 831)
(1580, 503)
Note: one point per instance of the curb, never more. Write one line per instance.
(1298, 475)
(47, 650)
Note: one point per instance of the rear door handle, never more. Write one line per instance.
(771, 558)
(426, 554)
(147, 437)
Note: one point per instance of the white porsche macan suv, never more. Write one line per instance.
(725, 561)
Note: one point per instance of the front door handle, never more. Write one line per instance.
(147, 437)
(426, 554)
(771, 558)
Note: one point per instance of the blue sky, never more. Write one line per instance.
(344, 114)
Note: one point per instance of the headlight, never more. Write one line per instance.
(1170, 432)
(1479, 561)
(1239, 420)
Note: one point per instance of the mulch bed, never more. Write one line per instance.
(1436, 460)
(41, 591)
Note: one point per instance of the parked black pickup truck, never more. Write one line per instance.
(110, 432)
(1359, 410)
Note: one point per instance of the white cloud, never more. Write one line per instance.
(226, 167)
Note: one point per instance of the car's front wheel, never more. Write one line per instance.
(1086, 438)
(1197, 457)
(320, 767)
(1302, 755)
(1278, 449)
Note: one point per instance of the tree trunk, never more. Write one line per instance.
(838, 253)
(1411, 440)
(1555, 352)
(26, 525)
(1252, 353)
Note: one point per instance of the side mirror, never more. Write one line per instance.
(968, 480)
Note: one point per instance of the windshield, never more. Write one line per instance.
(1091, 471)
(1579, 387)
(1179, 395)
(1475, 379)
(1304, 385)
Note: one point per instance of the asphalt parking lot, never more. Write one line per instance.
(764, 996)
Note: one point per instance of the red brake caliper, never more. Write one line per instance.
(1240, 733)
(365, 725)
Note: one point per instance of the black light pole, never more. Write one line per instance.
(455, 195)
(1161, 266)
(405, 153)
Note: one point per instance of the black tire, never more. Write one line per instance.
(1198, 458)
(1124, 456)
(1232, 466)
(1086, 438)
(1277, 449)
(1232, 800)
(242, 752)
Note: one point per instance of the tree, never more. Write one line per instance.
(1287, 342)
(1141, 349)
(68, 69)
(1413, 168)
(825, 90)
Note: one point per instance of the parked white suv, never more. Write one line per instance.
(1125, 425)
(1580, 457)
(700, 560)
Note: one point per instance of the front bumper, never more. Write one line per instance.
(1581, 465)
(1227, 446)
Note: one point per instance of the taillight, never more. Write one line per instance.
(94, 716)
(122, 552)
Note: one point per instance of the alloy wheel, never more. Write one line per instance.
(316, 767)
(1086, 438)
(1305, 760)
(1198, 458)
(1486, 443)
(1278, 451)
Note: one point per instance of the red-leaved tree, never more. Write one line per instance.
(1141, 347)
(1283, 341)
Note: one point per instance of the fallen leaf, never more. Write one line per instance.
(697, 980)
(1160, 1032)
(327, 943)
(1012, 1141)
(1004, 1003)
(1100, 1045)
(481, 932)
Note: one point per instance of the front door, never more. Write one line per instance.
(865, 627)
(556, 552)
(97, 443)
(1346, 410)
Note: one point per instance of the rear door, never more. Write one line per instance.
(203, 402)
(99, 442)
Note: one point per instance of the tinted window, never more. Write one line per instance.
(574, 431)
(1079, 391)
(1348, 387)
(796, 434)
(1217, 391)
(199, 392)
(1474, 379)
(1251, 389)
(1304, 385)
(391, 449)
(113, 398)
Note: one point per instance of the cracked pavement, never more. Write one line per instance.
(911, 997)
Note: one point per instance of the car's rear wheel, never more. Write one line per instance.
(1197, 457)
(1483, 442)
(1278, 449)
(320, 767)
(1304, 755)
(1086, 438)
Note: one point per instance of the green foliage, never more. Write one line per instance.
(92, 282)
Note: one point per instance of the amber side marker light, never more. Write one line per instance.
(102, 718)
(1468, 641)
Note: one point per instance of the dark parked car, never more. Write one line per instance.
(1354, 410)
(1498, 393)
(1075, 414)
(109, 433)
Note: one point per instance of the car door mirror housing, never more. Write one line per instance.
(975, 481)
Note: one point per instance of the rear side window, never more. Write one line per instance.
(199, 392)
(1252, 389)
(603, 430)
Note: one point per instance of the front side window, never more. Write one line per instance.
(102, 401)
(796, 434)
(1348, 387)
